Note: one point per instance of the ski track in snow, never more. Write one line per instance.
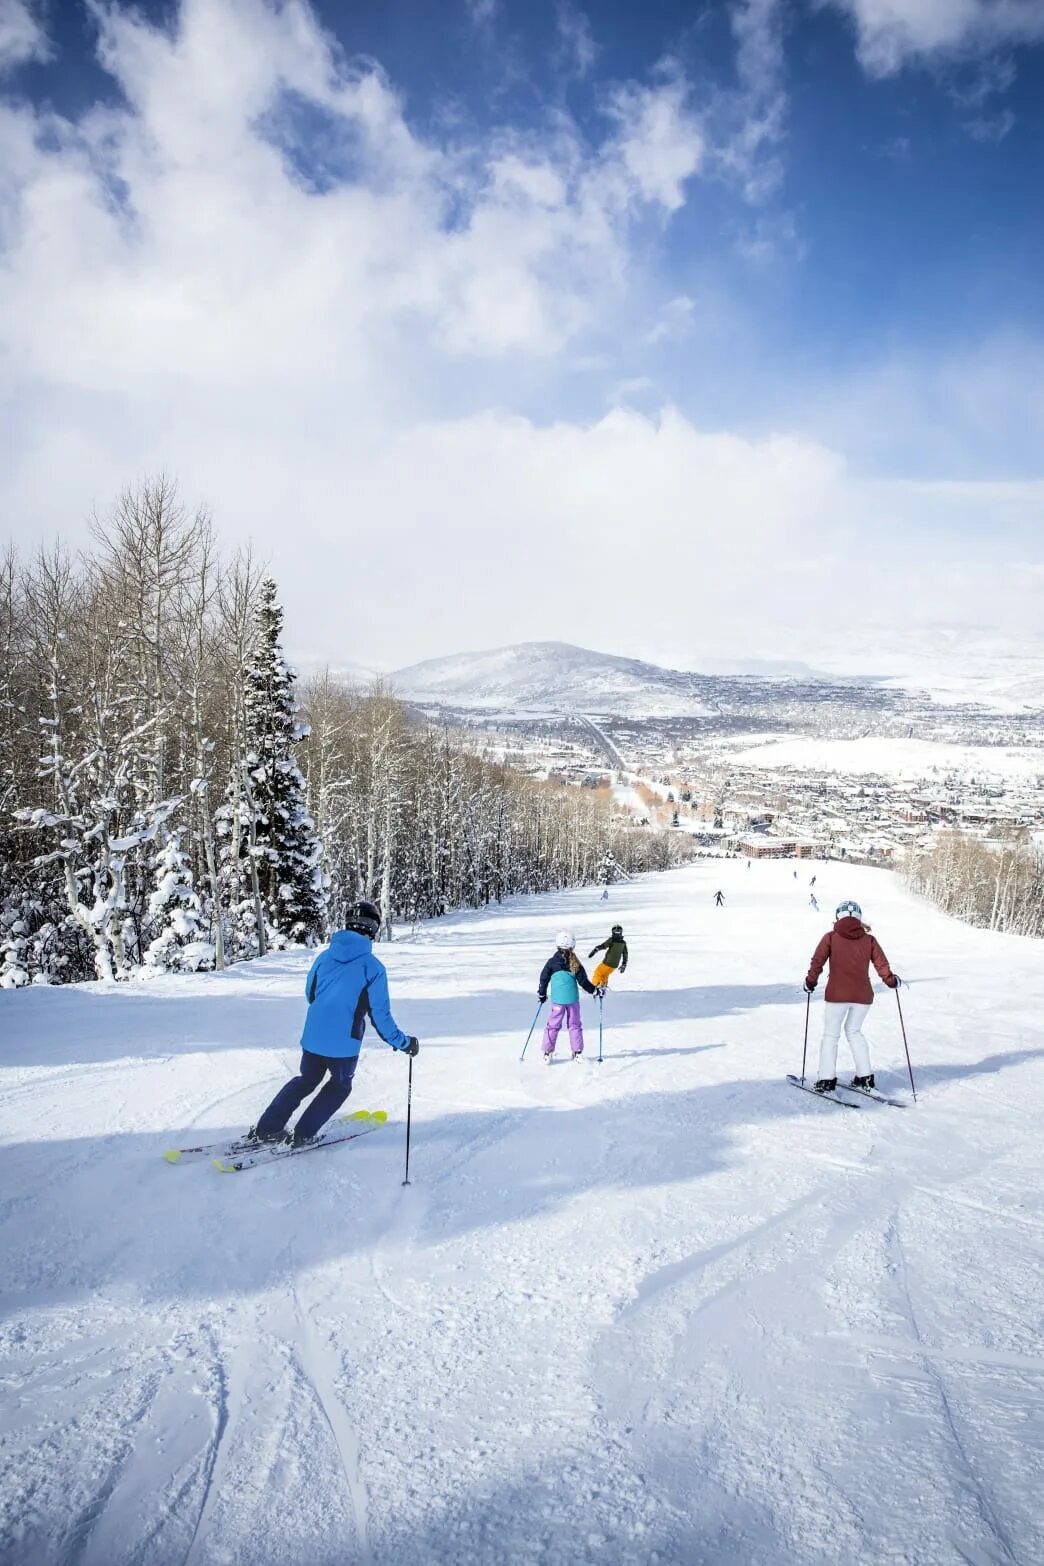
(663, 1309)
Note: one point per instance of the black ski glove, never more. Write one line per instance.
(411, 1047)
(542, 999)
(894, 982)
(809, 989)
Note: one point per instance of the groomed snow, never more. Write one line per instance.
(893, 757)
(664, 1309)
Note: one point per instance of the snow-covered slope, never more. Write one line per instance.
(663, 1309)
(543, 677)
(893, 756)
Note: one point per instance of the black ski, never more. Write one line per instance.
(831, 1098)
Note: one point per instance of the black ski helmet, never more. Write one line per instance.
(364, 919)
(617, 929)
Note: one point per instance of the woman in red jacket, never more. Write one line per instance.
(849, 948)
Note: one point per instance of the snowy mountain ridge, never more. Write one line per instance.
(557, 677)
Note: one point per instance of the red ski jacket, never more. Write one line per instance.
(850, 949)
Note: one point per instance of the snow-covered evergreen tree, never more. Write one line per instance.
(14, 961)
(174, 912)
(286, 848)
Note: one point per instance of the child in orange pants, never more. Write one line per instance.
(615, 949)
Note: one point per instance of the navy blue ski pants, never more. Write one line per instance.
(323, 1105)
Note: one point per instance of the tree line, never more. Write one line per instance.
(170, 799)
(996, 886)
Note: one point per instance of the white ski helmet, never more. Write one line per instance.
(848, 911)
(565, 941)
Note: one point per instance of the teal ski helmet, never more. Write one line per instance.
(848, 911)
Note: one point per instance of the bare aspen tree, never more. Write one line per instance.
(197, 598)
(238, 596)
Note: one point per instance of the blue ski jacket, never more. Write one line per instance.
(563, 983)
(346, 984)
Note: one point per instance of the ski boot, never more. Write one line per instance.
(549, 1056)
(294, 1139)
(864, 1082)
(826, 1085)
(577, 1054)
(255, 1139)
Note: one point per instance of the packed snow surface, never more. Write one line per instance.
(896, 757)
(664, 1309)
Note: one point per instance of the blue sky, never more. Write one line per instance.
(756, 282)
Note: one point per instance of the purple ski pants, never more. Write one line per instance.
(553, 1027)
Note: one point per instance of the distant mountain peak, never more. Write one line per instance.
(552, 677)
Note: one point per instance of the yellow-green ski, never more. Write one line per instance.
(228, 1149)
(374, 1120)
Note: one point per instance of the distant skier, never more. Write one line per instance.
(346, 984)
(563, 974)
(812, 882)
(748, 864)
(615, 949)
(812, 901)
(605, 895)
(849, 948)
(719, 899)
(795, 875)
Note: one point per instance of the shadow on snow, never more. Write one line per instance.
(170, 1233)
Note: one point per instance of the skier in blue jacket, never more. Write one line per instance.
(346, 984)
(562, 974)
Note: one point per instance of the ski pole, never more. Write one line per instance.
(529, 1035)
(409, 1113)
(601, 998)
(906, 1046)
(804, 1052)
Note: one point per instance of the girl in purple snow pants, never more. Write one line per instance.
(556, 1017)
(563, 978)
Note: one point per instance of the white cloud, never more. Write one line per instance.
(660, 144)
(893, 32)
(164, 233)
(326, 349)
(22, 36)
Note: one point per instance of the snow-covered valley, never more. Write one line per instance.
(662, 1309)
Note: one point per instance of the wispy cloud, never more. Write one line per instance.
(576, 44)
(991, 128)
(769, 238)
(750, 152)
(674, 320)
(22, 35)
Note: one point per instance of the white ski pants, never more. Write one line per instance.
(835, 1015)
